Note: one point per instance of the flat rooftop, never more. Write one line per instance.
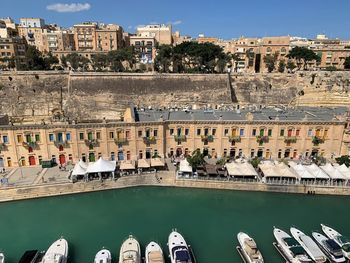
(313, 114)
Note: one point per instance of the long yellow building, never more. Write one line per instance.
(274, 133)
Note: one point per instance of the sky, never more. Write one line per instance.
(225, 19)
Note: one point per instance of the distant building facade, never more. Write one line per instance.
(161, 33)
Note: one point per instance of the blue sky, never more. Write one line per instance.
(221, 18)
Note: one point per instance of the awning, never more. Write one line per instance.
(285, 171)
(241, 169)
(317, 171)
(185, 167)
(101, 166)
(344, 170)
(127, 165)
(332, 172)
(211, 169)
(142, 163)
(301, 171)
(80, 168)
(157, 162)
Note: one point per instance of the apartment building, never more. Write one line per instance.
(57, 39)
(144, 45)
(12, 47)
(32, 30)
(161, 33)
(109, 37)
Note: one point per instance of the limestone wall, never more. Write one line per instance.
(37, 95)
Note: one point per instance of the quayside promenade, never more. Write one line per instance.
(161, 179)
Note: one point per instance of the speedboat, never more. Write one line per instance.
(342, 241)
(330, 247)
(2, 258)
(57, 252)
(292, 250)
(154, 253)
(178, 248)
(130, 251)
(249, 248)
(103, 256)
(32, 256)
(309, 245)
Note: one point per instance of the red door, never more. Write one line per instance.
(31, 160)
(62, 159)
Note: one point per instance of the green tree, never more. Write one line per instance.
(290, 65)
(49, 61)
(344, 159)
(270, 62)
(164, 58)
(255, 162)
(77, 62)
(34, 59)
(196, 159)
(303, 56)
(117, 57)
(99, 62)
(347, 63)
(281, 65)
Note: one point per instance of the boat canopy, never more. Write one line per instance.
(157, 162)
(344, 170)
(101, 166)
(301, 171)
(127, 165)
(142, 163)
(185, 167)
(80, 168)
(332, 172)
(241, 169)
(317, 171)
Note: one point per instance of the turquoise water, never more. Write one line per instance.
(208, 219)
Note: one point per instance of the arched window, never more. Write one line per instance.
(283, 51)
(30, 149)
(268, 51)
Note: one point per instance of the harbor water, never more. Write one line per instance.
(208, 219)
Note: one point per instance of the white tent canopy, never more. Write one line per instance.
(276, 170)
(301, 171)
(157, 162)
(317, 171)
(101, 166)
(241, 169)
(344, 170)
(333, 172)
(79, 168)
(127, 165)
(285, 171)
(142, 163)
(185, 167)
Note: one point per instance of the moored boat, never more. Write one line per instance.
(309, 245)
(32, 256)
(331, 248)
(130, 251)
(2, 258)
(103, 256)
(291, 249)
(342, 241)
(249, 248)
(178, 248)
(154, 253)
(57, 252)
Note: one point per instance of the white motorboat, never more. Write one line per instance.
(309, 245)
(57, 252)
(103, 256)
(292, 250)
(331, 248)
(178, 248)
(154, 253)
(339, 238)
(130, 251)
(2, 258)
(249, 248)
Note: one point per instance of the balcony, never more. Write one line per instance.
(207, 138)
(121, 141)
(149, 140)
(234, 138)
(91, 142)
(180, 138)
(262, 139)
(61, 143)
(317, 140)
(290, 139)
(30, 144)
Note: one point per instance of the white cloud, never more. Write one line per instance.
(69, 8)
(177, 22)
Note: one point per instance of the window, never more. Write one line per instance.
(269, 132)
(290, 132)
(252, 153)
(187, 131)
(179, 131)
(37, 137)
(81, 136)
(68, 138)
(262, 132)
(155, 133)
(5, 139)
(241, 132)
(90, 136)
(206, 131)
(98, 135)
(171, 131)
(282, 132)
(297, 132)
(139, 133)
(51, 137)
(111, 135)
(28, 138)
(199, 132)
(309, 132)
(127, 134)
(213, 131)
(148, 133)
(325, 133)
(226, 132)
(254, 132)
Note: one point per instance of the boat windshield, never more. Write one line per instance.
(291, 242)
(297, 250)
(182, 256)
(346, 247)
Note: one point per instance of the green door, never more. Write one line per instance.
(91, 157)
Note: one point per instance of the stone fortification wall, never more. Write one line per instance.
(39, 95)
